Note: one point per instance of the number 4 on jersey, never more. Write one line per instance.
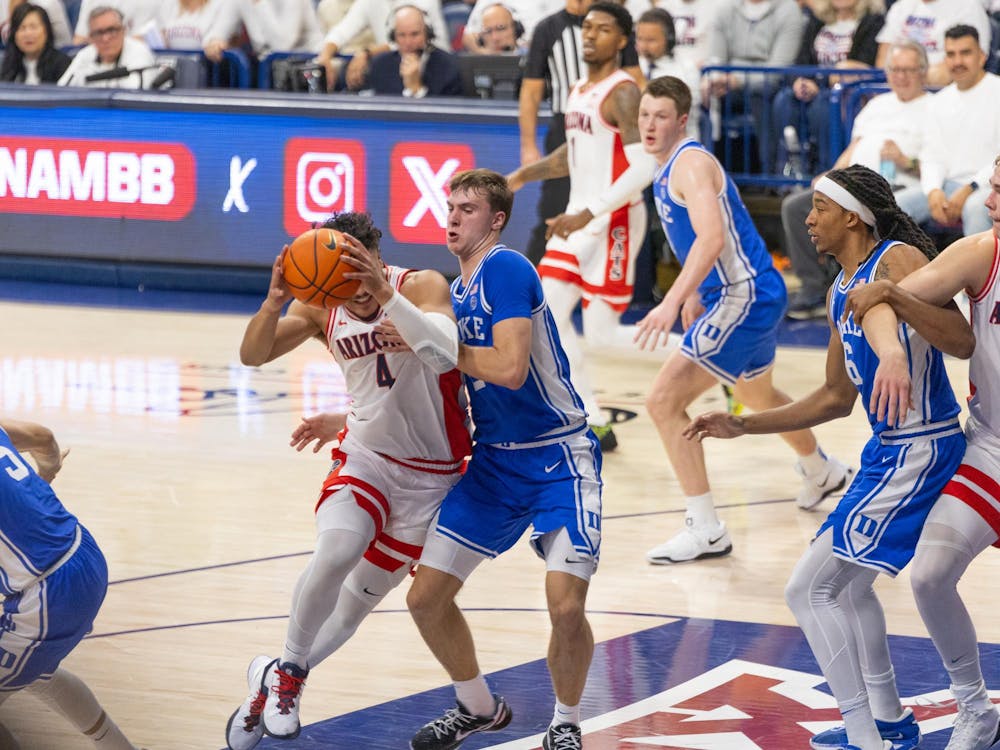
(382, 374)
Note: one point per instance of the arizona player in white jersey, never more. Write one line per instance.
(912, 453)
(53, 579)
(401, 449)
(592, 247)
(534, 463)
(730, 300)
(966, 520)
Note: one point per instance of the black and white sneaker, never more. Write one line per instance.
(457, 724)
(563, 737)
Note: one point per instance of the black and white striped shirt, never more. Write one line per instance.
(556, 55)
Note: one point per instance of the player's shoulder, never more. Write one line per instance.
(503, 258)
(423, 282)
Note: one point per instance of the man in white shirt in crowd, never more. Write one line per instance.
(139, 15)
(925, 22)
(110, 48)
(962, 130)
(887, 136)
(528, 12)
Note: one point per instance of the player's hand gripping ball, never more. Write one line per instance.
(314, 270)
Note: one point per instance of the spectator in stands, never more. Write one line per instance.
(332, 12)
(139, 15)
(692, 21)
(61, 36)
(655, 37)
(501, 32)
(31, 56)
(206, 25)
(887, 136)
(961, 136)
(555, 63)
(925, 22)
(110, 48)
(837, 35)
(752, 32)
(374, 15)
(528, 12)
(280, 25)
(416, 68)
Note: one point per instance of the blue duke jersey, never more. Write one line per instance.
(35, 529)
(546, 408)
(744, 256)
(932, 396)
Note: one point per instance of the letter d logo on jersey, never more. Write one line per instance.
(419, 176)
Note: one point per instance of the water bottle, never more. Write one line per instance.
(793, 167)
(887, 168)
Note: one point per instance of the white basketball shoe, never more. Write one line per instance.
(832, 478)
(245, 729)
(284, 693)
(692, 543)
(975, 730)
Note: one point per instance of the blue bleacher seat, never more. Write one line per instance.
(456, 15)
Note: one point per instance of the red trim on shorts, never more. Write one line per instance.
(403, 548)
(976, 501)
(380, 559)
(335, 482)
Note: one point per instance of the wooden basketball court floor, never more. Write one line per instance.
(181, 468)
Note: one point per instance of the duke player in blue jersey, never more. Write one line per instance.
(53, 578)
(730, 300)
(915, 447)
(534, 463)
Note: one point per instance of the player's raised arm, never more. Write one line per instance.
(268, 335)
(40, 442)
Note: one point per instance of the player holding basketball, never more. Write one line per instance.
(401, 449)
(915, 447)
(730, 300)
(591, 248)
(966, 519)
(53, 579)
(541, 468)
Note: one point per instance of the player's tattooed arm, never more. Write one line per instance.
(554, 165)
(621, 109)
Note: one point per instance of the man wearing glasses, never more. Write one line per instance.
(110, 50)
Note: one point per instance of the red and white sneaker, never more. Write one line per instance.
(284, 692)
(244, 729)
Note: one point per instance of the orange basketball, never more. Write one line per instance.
(314, 271)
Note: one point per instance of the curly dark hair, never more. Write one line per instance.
(622, 17)
(891, 222)
(357, 224)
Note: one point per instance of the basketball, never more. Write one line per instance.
(314, 270)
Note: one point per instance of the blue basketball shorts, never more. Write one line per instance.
(737, 334)
(549, 487)
(879, 519)
(46, 621)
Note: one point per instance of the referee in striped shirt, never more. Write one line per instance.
(555, 62)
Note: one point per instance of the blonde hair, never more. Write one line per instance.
(823, 9)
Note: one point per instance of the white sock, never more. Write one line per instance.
(883, 696)
(973, 697)
(566, 714)
(296, 654)
(701, 510)
(475, 695)
(814, 463)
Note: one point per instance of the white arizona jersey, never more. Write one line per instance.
(596, 152)
(401, 408)
(984, 404)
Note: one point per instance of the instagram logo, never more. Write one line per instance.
(322, 176)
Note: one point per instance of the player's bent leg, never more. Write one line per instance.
(822, 475)
(344, 532)
(812, 594)
(71, 697)
(444, 566)
(679, 382)
(953, 536)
